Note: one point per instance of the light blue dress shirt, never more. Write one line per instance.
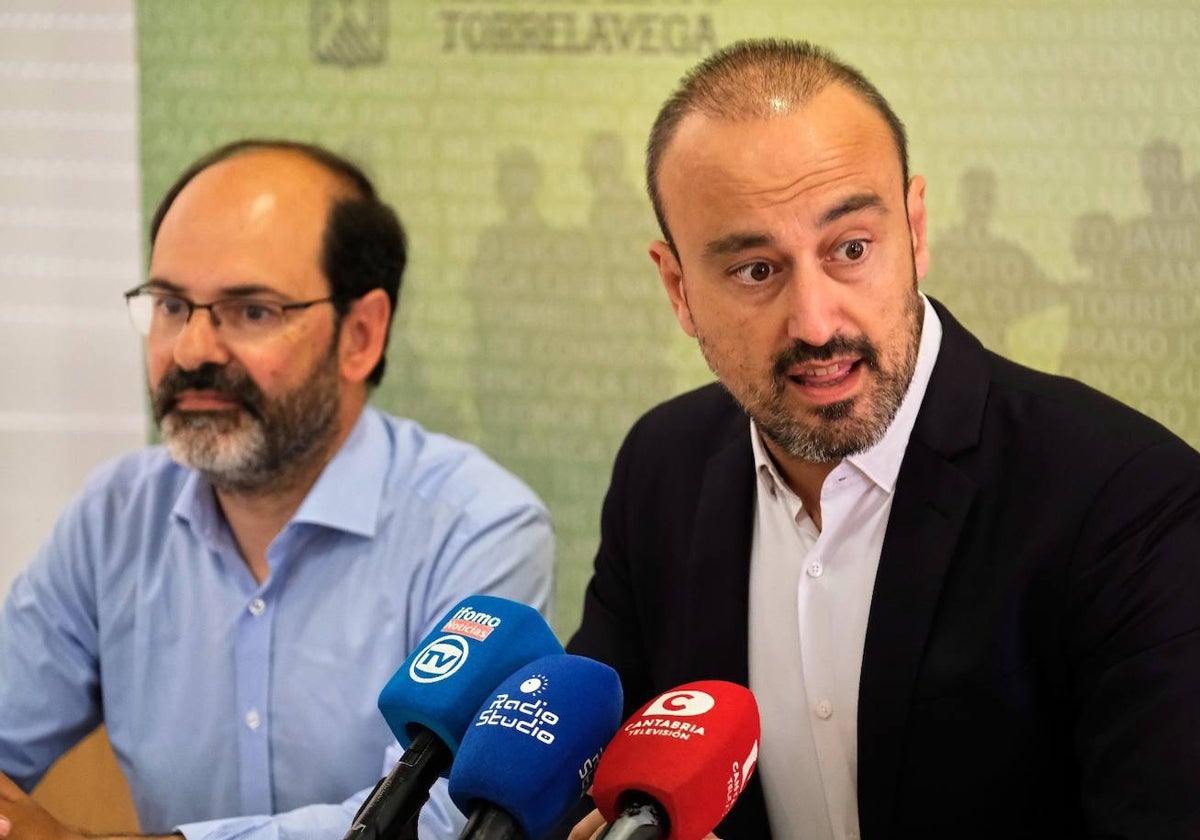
(227, 701)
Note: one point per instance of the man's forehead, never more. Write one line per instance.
(258, 217)
(259, 192)
(826, 153)
(834, 115)
(283, 171)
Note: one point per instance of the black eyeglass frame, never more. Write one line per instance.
(192, 306)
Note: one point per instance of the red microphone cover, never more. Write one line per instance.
(691, 749)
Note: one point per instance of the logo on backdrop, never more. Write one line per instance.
(439, 659)
(349, 33)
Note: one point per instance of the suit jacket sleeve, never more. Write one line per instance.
(1133, 641)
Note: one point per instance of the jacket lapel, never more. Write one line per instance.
(933, 498)
(716, 629)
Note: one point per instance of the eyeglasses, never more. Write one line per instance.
(162, 315)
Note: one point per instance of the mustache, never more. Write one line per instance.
(219, 379)
(840, 345)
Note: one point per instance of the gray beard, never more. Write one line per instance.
(833, 432)
(264, 444)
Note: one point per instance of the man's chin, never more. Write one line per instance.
(223, 421)
(224, 462)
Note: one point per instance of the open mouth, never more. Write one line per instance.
(826, 375)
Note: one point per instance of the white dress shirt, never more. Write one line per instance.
(810, 595)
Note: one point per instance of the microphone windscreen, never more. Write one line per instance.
(691, 749)
(477, 644)
(534, 744)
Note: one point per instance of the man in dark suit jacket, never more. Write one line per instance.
(1030, 665)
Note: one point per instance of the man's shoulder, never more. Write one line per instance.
(675, 441)
(444, 469)
(1071, 413)
(707, 415)
(977, 396)
(148, 472)
(120, 503)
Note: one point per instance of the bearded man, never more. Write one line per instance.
(965, 594)
(231, 603)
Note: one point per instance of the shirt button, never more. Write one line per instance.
(257, 606)
(815, 569)
(824, 710)
(252, 719)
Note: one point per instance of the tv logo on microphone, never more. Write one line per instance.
(439, 660)
(662, 717)
(681, 704)
(740, 776)
(473, 623)
(529, 717)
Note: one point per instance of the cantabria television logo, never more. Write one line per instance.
(684, 703)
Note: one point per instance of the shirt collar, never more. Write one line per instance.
(346, 496)
(880, 463)
(348, 492)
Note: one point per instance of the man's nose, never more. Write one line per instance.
(199, 342)
(814, 302)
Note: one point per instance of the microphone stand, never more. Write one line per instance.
(397, 798)
(641, 819)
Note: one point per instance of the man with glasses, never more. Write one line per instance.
(231, 603)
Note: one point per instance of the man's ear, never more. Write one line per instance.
(671, 274)
(917, 224)
(364, 334)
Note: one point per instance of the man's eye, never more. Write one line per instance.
(251, 312)
(172, 307)
(755, 272)
(852, 250)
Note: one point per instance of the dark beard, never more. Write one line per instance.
(265, 442)
(835, 433)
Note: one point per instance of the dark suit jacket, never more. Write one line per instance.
(1032, 657)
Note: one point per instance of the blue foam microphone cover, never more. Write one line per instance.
(534, 744)
(441, 684)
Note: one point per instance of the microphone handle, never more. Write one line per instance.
(490, 822)
(642, 819)
(398, 797)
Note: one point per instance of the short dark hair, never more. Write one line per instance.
(747, 80)
(364, 246)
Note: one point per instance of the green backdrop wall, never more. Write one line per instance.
(1060, 140)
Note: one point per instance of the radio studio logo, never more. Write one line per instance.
(439, 659)
(525, 714)
(473, 623)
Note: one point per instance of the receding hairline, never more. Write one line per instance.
(290, 169)
(759, 79)
(347, 181)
